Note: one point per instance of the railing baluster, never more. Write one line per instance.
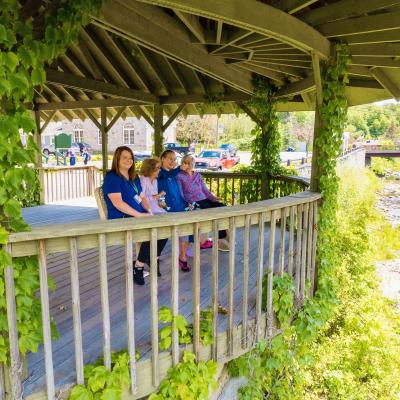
(309, 241)
(105, 306)
(44, 299)
(225, 190)
(298, 248)
(260, 263)
(154, 308)
(15, 358)
(196, 292)
(291, 240)
(241, 201)
(304, 252)
(281, 262)
(214, 348)
(175, 293)
(130, 308)
(231, 282)
(233, 191)
(2, 383)
(218, 190)
(246, 247)
(314, 248)
(76, 310)
(270, 271)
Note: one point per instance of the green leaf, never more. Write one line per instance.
(38, 77)
(11, 60)
(98, 379)
(165, 314)
(3, 235)
(19, 80)
(12, 208)
(111, 394)
(80, 392)
(3, 33)
(165, 332)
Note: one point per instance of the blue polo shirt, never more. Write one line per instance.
(167, 182)
(114, 183)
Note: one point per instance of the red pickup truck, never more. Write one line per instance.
(215, 160)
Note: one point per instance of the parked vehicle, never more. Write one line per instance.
(76, 148)
(215, 160)
(48, 150)
(175, 147)
(231, 148)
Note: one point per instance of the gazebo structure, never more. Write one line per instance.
(166, 57)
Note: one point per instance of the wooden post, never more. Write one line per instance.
(315, 171)
(214, 280)
(158, 129)
(104, 142)
(15, 359)
(38, 156)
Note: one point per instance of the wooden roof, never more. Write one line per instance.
(177, 52)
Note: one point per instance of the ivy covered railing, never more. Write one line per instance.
(97, 308)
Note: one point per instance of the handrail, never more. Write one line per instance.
(296, 218)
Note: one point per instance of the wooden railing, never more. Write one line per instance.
(66, 183)
(233, 187)
(242, 188)
(292, 225)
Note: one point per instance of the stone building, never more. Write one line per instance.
(132, 132)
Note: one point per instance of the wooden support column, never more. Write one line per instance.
(315, 171)
(158, 129)
(104, 141)
(38, 156)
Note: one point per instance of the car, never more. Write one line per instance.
(231, 148)
(175, 147)
(215, 160)
(289, 148)
(49, 149)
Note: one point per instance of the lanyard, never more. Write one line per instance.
(134, 187)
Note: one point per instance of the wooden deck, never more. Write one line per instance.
(60, 299)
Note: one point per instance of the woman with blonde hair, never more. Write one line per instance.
(149, 173)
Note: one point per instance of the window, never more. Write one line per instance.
(78, 135)
(99, 137)
(129, 135)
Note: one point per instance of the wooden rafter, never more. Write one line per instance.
(193, 24)
(376, 50)
(91, 85)
(293, 6)
(257, 17)
(386, 82)
(392, 35)
(115, 16)
(353, 26)
(302, 86)
(375, 61)
(344, 9)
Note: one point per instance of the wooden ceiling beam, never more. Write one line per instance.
(218, 32)
(257, 17)
(82, 104)
(344, 9)
(293, 6)
(376, 50)
(299, 87)
(91, 85)
(392, 35)
(193, 24)
(359, 70)
(386, 82)
(200, 98)
(277, 77)
(375, 61)
(116, 17)
(289, 63)
(291, 71)
(353, 26)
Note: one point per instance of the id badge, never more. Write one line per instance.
(137, 198)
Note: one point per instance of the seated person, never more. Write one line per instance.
(124, 198)
(149, 173)
(195, 190)
(173, 196)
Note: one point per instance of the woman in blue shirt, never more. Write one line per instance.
(174, 198)
(124, 198)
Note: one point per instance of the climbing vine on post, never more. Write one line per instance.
(29, 38)
(331, 118)
(266, 142)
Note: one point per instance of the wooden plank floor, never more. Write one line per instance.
(60, 299)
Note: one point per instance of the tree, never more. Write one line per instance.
(195, 128)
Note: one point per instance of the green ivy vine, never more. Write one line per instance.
(26, 44)
(274, 369)
(212, 103)
(266, 143)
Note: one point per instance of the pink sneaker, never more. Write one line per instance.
(207, 244)
(184, 266)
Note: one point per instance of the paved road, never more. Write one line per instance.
(245, 156)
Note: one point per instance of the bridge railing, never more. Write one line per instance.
(68, 183)
(296, 218)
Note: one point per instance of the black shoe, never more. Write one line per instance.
(158, 268)
(138, 275)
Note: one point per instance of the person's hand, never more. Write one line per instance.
(217, 198)
(162, 193)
